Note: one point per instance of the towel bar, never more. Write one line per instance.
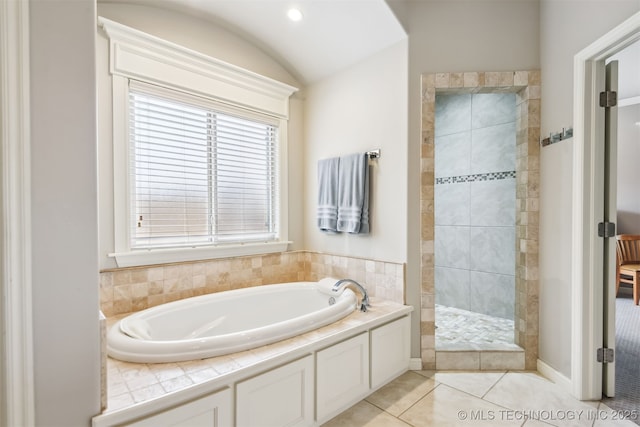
(373, 154)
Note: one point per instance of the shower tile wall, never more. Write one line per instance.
(475, 201)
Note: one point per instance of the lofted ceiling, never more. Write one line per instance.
(332, 35)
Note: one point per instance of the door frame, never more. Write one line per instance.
(588, 257)
(16, 332)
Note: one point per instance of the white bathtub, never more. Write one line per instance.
(225, 322)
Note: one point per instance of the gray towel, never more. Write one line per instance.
(327, 214)
(353, 199)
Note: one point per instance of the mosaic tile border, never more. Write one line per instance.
(526, 86)
(479, 177)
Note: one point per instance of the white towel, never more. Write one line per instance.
(353, 199)
(327, 214)
(138, 328)
(326, 285)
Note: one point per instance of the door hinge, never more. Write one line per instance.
(605, 355)
(606, 229)
(608, 98)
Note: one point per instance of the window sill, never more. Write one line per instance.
(170, 255)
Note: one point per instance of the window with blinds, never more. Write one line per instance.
(199, 175)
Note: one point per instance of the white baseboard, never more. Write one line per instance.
(415, 364)
(559, 379)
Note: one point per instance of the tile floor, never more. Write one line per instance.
(441, 399)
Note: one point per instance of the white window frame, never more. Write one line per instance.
(140, 56)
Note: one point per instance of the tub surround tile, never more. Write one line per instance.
(124, 290)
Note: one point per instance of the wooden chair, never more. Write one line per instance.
(628, 263)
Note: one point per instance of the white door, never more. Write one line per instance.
(610, 213)
(589, 325)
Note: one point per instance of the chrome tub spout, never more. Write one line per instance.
(341, 284)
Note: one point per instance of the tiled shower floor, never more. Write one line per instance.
(457, 329)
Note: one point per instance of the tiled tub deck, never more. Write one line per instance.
(148, 388)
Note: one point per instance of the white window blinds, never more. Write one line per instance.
(199, 174)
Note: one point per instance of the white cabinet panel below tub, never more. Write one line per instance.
(342, 375)
(212, 410)
(280, 397)
(390, 351)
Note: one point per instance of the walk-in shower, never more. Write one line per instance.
(475, 208)
(496, 277)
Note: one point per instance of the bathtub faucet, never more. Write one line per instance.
(341, 284)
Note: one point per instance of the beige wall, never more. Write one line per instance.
(64, 213)
(206, 38)
(457, 36)
(582, 22)
(357, 110)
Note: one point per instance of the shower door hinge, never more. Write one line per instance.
(605, 355)
(606, 229)
(608, 98)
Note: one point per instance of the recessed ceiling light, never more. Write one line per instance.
(294, 14)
